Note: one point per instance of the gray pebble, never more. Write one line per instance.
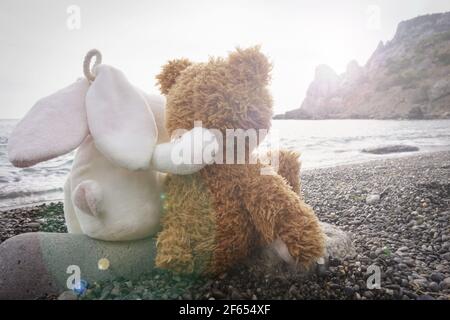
(433, 286)
(68, 295)
(425, 297)
(373, 199)
(437, 276)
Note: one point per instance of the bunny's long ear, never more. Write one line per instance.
(55, 125)
(120, 121)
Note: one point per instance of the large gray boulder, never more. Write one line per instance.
(35, 265)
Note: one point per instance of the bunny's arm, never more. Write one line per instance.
(182, 156)
(279, 214)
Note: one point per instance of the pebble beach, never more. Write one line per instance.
(396, 210)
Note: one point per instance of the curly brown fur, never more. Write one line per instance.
(235, 235)
(223, 93)
(242, 208)
(186, 244)
(289, 168)
(210, 216)
(170, 72)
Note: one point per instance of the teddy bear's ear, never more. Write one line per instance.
(170, 72)
(250, 65)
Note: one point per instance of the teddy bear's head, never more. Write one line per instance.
(223, 93)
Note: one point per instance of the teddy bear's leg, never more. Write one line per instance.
(278, 213)
(301, 233)
(186, 242)
(233, 236)
(173, 250)
(289, 168)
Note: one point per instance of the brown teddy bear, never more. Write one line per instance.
(216, 217)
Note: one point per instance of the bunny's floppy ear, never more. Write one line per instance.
(120, 121)
(54, 126)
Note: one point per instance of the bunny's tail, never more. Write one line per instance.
(88, 197)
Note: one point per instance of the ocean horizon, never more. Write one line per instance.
(322, 143)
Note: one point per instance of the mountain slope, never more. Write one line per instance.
(408, 77)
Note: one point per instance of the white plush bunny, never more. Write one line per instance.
(113, 191)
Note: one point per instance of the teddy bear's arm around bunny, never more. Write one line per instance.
(186, 155)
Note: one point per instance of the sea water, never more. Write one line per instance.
(322, 143)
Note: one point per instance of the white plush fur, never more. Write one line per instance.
(54, 126)
(113, 191)
(186, 155)
(119, 120)
(109, 202)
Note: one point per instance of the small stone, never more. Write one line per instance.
(421, 283)
(334, 262)
(187, 296)
(437, 276)
(68, 295)
(409, 262)
(446, 256)
(223, 276)
(236, 295)
(410, 294)
(293, 290)
(372, 199)
(218, 294)
(389, 292)
(445, 284)
(105, 292)
(434, 286)
(425, 297)
(349, 291)
(32, 225)
(393, 286)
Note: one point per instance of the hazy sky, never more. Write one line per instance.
(41, 46)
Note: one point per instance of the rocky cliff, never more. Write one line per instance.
(407, 77)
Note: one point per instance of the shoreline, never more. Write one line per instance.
(402, 228)
(383, 157)
(280, 117)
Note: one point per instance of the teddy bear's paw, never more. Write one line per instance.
(282, 251)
